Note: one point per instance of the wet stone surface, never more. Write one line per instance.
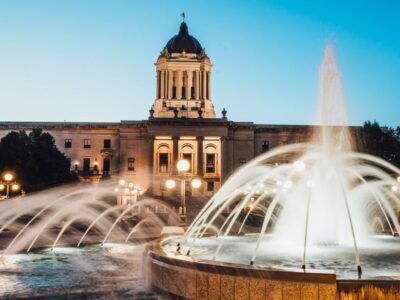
(93, 272)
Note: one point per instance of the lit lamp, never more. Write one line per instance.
(183, 166)
(8, 177)
(128, 192)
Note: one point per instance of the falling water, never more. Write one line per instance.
(307, 201)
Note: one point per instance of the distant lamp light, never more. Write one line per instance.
(116, 190)
(130, 184)
(170, 184)
(394, 188)
(8, 177)
(15, 187)
(122, 182)
(196, 183)
(2, 187)
(183, 165)
(126, 190)
(299, 166)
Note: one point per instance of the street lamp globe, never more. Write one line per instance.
(8, 177)
(121, 182)
(183, 165)
(196, 183)
(2, 187)
(15, 187)
(170, 184)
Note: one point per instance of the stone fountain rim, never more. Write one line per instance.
(155, 251)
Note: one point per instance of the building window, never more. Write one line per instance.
(183, 92)
(192, 95)
(210, 186)
(188, 157)
(86, 164)
(242, 161)
(107, 144)
(174, 92)
(68, 143)
(210, 163)
(106, 165)
(131, 164)
(163, 163)
(86, 143)
(264, 146)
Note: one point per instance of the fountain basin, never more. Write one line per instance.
(190, 278)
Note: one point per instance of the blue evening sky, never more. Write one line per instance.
(93, 60)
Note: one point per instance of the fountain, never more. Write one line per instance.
(74, 241)
(310, 220)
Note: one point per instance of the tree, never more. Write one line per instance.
(34, 158)
(382, 142)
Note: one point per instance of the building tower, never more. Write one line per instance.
(183, 79)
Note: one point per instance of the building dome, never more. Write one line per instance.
(183, 42)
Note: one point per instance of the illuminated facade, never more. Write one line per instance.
(182, 125)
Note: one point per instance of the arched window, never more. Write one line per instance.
(163, 158)
(187, 154)
(210, 159)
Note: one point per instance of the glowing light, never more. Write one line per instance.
(122, 182)
(196, 183)
(8, 177)
(2, 187)
(278, 183)
(170, 184)
(130, 184)
(183, 165)
(394, 188)
(116, 190)
(126, 190)
(15, 187)
(299, 166)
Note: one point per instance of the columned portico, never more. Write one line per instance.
(183, 79)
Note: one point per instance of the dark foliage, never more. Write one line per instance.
(382, 142)
(34, 158)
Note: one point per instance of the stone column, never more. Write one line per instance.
(204, 84)
(189, 84)
(197, 85)
(179, 86)
(175, 154)
(150, 140)
(158, 85)
(162, 84)
(170, 83)
(200, 155)
(209, 84)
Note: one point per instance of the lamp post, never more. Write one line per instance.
(128, 191)
(7, 183)
(183, 167)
